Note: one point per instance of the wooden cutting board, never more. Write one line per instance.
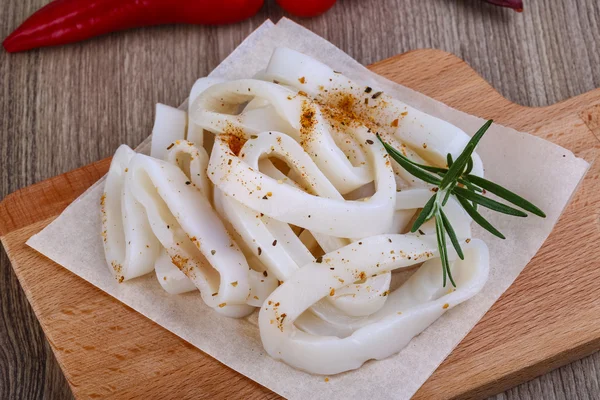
(550, 316)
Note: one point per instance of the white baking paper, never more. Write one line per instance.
(73, 241)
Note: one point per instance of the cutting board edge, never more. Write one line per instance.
(532, 371)
(581, 101)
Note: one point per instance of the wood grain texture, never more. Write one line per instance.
(66, 107)
(103, 346)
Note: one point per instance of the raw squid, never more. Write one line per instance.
(419, 302)
(274, 193)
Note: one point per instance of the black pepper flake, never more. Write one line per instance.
(188, 182)
(389, 240)
(332, 268)
(260, 252)
(265, 197)
(319, 260)
(213, 252)
(170, 146)
(369, 141)
(368, 89)
(253, 136)
(366, 101)
(262, 215)
(229, 162)
(376, 95)
(359, 243)
(168, 227)
(265, 273)
(336, 72)
(275, 242)
(214, 294)
(275, 81)
(421, 232)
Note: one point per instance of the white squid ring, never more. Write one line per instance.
(383, 337)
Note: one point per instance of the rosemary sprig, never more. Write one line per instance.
(468, 189)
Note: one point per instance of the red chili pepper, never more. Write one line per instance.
(517, 5)
(67, 21)
(306, 8)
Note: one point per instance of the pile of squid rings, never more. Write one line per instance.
(274, 193)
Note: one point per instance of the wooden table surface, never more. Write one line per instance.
(62, 108)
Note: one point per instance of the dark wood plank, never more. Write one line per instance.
(66, 107)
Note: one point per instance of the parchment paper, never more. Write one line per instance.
(73, 241)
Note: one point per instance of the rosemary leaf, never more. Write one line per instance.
(423, 166)
(449, 160)
(472, 189)
(469, 166)
(452, 234)
(447, 196)
(479, 218)
(389, 148)
(441, 242)
(429, 168)
(422, 217)
(463, 181)
(469, 185)
(488, 203)
(506, 195)
(459, 164)
(441, 239)
(409, 166)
